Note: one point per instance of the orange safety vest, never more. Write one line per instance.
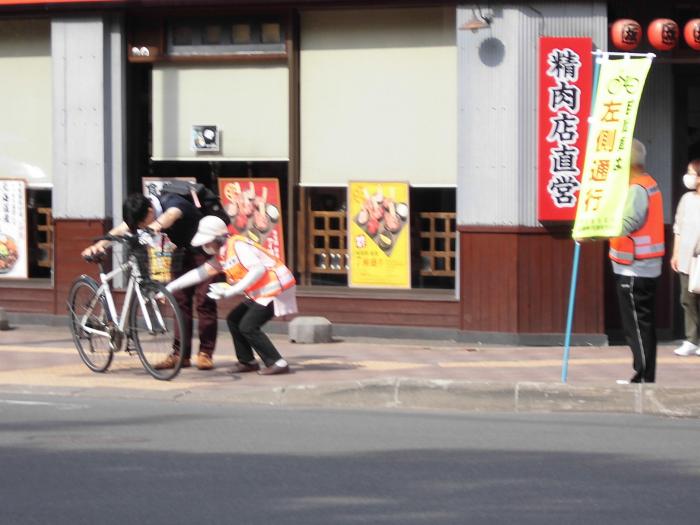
(276, 279)
(648, 241)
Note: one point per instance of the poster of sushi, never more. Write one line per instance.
(13, 229)
(254, 207)
(378, 235)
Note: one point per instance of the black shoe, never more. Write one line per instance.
(241, 368)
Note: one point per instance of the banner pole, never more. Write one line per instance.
(570, 313)
(577, 250)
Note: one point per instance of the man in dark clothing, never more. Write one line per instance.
(178, 218)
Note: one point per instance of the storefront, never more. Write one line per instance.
(315, 98)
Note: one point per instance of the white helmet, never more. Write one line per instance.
(210, 227)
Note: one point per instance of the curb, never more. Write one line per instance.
(468, 396)
(426, 394)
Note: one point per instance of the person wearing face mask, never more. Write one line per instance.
(686, 237)
(268, 287)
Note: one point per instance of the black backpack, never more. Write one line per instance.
(198, 194)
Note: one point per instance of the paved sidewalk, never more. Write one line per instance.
(355, 372)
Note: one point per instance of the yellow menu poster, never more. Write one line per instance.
(379, 235)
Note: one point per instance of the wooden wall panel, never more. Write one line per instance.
(371, 311)
(544, 263)
(488, 281)
(29, 300)
(72, 237)
(516, 280)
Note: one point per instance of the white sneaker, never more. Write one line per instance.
(687, 348)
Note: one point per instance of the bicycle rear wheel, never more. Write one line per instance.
(154, 327)
(88, 311)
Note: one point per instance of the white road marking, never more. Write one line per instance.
(62, 406)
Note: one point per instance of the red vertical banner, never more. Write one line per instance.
(255, 209)
(565, 78)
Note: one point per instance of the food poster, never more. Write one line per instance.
(13, 229)
(255, 210)
(378, 235)
(154, 185)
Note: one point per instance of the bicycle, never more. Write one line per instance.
(149, 323)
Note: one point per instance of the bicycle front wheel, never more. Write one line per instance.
(155, 324)
(90, 324)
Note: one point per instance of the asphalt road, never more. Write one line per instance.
(73, 460)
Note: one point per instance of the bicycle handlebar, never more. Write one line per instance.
(130, 240)
(96, 258)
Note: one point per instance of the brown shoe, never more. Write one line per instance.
(204, 361)
(274, 370)
(241, 368)
(171, 361)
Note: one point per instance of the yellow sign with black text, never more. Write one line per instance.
(605, 177)
(379, 235)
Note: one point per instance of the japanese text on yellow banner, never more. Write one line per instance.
(605, 178)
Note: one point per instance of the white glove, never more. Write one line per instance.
(219, 291)
(214, 294)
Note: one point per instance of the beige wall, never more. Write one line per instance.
(249, 104)
(379, 96)
(25, 101)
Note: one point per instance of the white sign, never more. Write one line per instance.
(205, 138)
(13, 229)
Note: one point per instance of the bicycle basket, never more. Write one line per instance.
(157, 260)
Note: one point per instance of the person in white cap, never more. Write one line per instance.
(268, 287)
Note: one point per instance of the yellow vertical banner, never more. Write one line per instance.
(379, 235)
(605, 177)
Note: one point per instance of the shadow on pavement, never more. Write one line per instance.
(398, 487)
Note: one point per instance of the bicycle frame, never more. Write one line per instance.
(133, 287)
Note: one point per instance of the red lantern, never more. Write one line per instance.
(626, 34)
(691, 32)
(663, 34)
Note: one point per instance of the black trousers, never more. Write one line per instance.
(636, 297)
(193, 298)
(244, 322)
